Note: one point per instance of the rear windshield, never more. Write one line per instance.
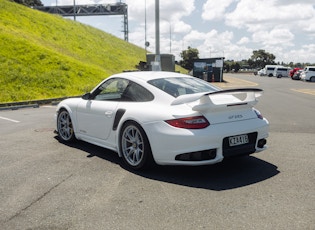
(181, 86)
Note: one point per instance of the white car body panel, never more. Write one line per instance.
(167, 142)
(308, 74)
(228, 116)
(101, 116)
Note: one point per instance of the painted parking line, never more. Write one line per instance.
(306, 91)
(8, 119)
(233, 82)
(49, 106)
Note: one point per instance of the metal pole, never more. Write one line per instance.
(157, 27)
(157, 35)
(145, 26)
(74, 10)
(170, 38)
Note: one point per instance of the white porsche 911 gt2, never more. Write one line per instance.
(165, 118)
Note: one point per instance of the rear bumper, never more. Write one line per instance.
(167, 142)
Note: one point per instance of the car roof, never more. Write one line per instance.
(149, 75)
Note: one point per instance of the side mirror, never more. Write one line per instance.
(86, 96)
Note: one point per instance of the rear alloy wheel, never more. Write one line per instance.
(65, 127)
(135, 147)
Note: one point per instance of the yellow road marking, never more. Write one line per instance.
(306, 91)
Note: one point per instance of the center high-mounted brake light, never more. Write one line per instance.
(198, 122)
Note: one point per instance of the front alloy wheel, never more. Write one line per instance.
(134, 146)
(65, 127)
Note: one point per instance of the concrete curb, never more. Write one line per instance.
(16, 107)
(31, 104)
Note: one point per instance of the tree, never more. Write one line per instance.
(226, 66)
(260, 58)
(29, 2)
(236, 66)
(188, 57)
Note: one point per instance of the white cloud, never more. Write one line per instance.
(172, 27)
(77, 2)
(275, 37)
(268, 14)
(169, 10)
(211, 43)
(243, 41)
(215, 10)
(195, 36)
(234, 28)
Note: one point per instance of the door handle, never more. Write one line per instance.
(109, 114)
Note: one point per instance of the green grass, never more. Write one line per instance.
(45, 56)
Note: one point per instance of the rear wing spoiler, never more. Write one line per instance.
(208, 100)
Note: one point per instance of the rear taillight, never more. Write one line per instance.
(199, 122)
(258, 114)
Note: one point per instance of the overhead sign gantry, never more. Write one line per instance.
(118, 8)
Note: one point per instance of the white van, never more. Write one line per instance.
(269, 70)
(308, 74)
(280, 72)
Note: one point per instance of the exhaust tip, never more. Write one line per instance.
(261, 143)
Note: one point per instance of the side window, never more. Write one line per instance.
(111, 89)
(135, 92)
(312, 69)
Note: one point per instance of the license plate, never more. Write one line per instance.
(238, 140)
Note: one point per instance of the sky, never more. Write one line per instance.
(229, 28)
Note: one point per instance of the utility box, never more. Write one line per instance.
(167, 61)
(209, 69)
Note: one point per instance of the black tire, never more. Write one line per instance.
(65, 126)
(312, 79)
(135, 147)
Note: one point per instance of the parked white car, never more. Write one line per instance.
(261, 72)
(308, 74)
(268, 70)
(165, 118)
(280, 72)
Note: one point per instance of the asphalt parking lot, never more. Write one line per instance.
(49, 185)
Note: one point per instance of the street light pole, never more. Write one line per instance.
(157, 36)
(145, 26)
(74, 10)
(170, 38)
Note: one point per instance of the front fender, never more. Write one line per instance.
(70, 105)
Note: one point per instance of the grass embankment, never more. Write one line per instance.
(46, 56)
